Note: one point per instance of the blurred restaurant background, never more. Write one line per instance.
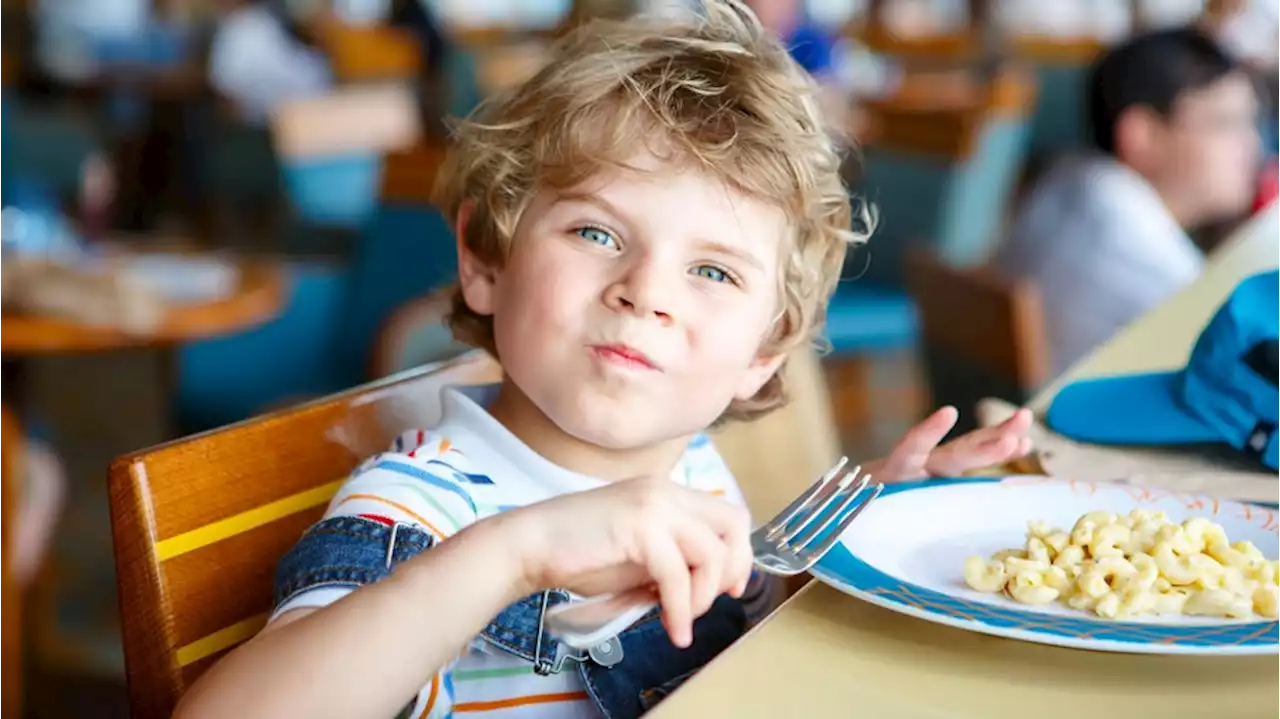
(217, 208)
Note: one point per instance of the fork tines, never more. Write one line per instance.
(834, 500)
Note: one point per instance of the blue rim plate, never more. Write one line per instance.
(900, 553)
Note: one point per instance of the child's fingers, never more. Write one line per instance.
(1019, 421)
(740, 562)
(913, 451)
(960, 459)
(733, 524)
(671, 575)
(706, 555)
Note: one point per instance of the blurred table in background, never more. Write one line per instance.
(257, 298)
(94, 392)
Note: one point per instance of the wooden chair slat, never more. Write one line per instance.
(210, 607)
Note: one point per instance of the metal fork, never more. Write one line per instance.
(790, 543)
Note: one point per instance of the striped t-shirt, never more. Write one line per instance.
(468, 468)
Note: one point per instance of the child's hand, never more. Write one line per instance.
(918, 454)
(635, 535)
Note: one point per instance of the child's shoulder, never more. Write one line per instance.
(431, 450)
(423, 478)
(705, 469)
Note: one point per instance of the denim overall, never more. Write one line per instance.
(624, 676)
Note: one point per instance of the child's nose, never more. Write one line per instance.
(641, 293)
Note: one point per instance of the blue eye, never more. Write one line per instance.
(713, 273)
(597, 236)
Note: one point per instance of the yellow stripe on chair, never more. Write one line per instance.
(221, 639)
(240, 523)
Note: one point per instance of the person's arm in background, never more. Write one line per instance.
(253, 63)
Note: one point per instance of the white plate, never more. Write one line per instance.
(906, 553)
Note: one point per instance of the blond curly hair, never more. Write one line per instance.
(718, 94)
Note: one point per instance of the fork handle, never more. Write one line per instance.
(590, 622)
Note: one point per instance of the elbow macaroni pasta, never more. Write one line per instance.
(1119, 567)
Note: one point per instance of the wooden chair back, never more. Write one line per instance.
(200, 523)
(409, 174)
(364, 53)
(11, 444)
(983, 336)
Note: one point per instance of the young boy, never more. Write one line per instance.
(645, 228)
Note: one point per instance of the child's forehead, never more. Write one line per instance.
(669, 190)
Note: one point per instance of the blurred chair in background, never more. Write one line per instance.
(416, 334)
(983, 336)
(322, 343)
(12, 658)
(331, 150)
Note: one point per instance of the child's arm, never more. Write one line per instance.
(373, 650)
(370, 652)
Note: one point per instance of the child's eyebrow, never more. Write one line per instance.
(735, 252)
(590, 198)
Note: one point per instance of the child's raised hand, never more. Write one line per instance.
(918, 454)
(635, 536)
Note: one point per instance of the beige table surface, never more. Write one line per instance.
(825, 654)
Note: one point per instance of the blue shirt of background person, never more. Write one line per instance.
(812, 48)
(807, 42)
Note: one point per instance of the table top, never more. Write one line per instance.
(827, 654)
(258, 298)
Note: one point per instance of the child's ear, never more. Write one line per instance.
(475, 278)
(761, 370)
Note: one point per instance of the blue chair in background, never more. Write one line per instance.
(323, 341)
(291, 358)
(1059, 124)
(338, 191)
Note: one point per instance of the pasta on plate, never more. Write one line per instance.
(1127, 566)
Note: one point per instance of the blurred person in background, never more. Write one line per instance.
(1250, 30)
(69, 32)
(1105, 235)
(264, 54)
(811, 46)
(417, 17)
(818, 51)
